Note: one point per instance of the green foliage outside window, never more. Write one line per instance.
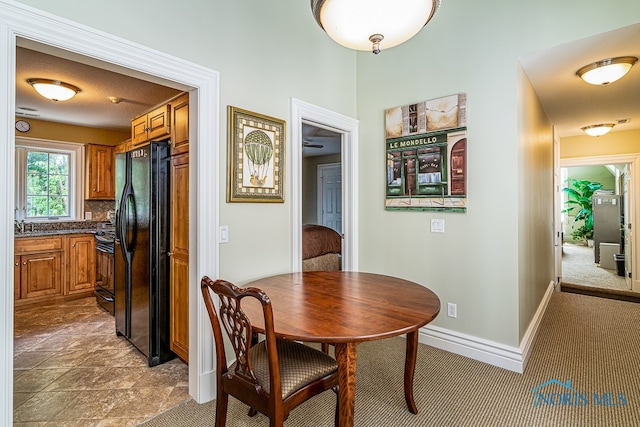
(47, 184)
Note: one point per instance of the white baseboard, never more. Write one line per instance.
(504, 356)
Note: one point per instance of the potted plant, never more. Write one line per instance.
(580, 194)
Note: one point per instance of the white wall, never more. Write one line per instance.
(483, 262)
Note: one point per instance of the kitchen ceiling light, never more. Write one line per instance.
(373, 24)
(598, 130)
(606, 71)
(54, 90)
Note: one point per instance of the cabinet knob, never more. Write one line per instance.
(17, 264)
(73, 246)
(169, 253)
(24, 263)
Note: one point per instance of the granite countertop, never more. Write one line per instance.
(40, 233)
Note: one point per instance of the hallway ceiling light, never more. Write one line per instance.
(54, 90)
(598, 130)
(606, 71)
(373, 24)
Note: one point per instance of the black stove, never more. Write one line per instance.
(105, 237)
(105, 289)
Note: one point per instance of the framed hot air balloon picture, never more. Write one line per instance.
(256, 157)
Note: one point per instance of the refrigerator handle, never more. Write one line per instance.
(131, 221)
(122, 224)
(121, 219)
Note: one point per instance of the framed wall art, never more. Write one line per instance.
(426, 145)
(255, 155)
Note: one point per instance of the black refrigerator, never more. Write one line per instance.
(141, 270)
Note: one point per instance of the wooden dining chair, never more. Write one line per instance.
(273, 376)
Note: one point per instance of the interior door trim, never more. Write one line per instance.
(632, 159)
(300, 112)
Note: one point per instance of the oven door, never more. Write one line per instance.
(105, 295)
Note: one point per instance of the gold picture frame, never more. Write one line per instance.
(255, 154)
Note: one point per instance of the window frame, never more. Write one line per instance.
(76, 152)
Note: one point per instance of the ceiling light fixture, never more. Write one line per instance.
(598, 130)
(606, 71)
(54, 90)
(373, 24)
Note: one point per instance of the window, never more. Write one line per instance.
(49, 180)
(47, 184)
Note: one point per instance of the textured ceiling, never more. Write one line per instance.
(571, 103)
(91, 106)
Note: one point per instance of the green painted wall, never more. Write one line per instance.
(267, 52)
(486, 262)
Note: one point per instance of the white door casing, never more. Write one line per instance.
(348, 127)
(633, 159)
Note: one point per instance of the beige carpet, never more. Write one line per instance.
(579, 268)
(591, 342)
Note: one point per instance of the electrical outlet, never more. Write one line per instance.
(452, 310)
(437, 225)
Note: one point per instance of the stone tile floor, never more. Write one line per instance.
(70, 369)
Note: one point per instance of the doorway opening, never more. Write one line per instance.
(597, 249)
(321, 176)
(32, 25)
(315, 129)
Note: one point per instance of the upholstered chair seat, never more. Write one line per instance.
(299, 365)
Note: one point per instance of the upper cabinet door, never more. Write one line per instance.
(155, 125)
(180, 125)
(100, 177)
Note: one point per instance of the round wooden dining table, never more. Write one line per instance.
(343, 309)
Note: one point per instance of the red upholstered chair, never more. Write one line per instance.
(273, 376)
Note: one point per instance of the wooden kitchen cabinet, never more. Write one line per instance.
(53, 268)
(180, 125)
(151, 126)
(100, 176)
(39, 269)
(82, 263)
(179, 256)
(122, 147)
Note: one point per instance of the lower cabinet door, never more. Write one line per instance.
(82, 263)
(41, 274)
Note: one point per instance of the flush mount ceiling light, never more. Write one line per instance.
(606, 71)
(373, 24)
(54, 90)
(598, 130)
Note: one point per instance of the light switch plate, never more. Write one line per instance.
(224, 234)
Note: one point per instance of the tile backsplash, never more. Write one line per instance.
(99, 208)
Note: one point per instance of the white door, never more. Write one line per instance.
(330, 196)
(557, 218)
(626, 200)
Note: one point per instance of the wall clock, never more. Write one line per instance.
(22, 126)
